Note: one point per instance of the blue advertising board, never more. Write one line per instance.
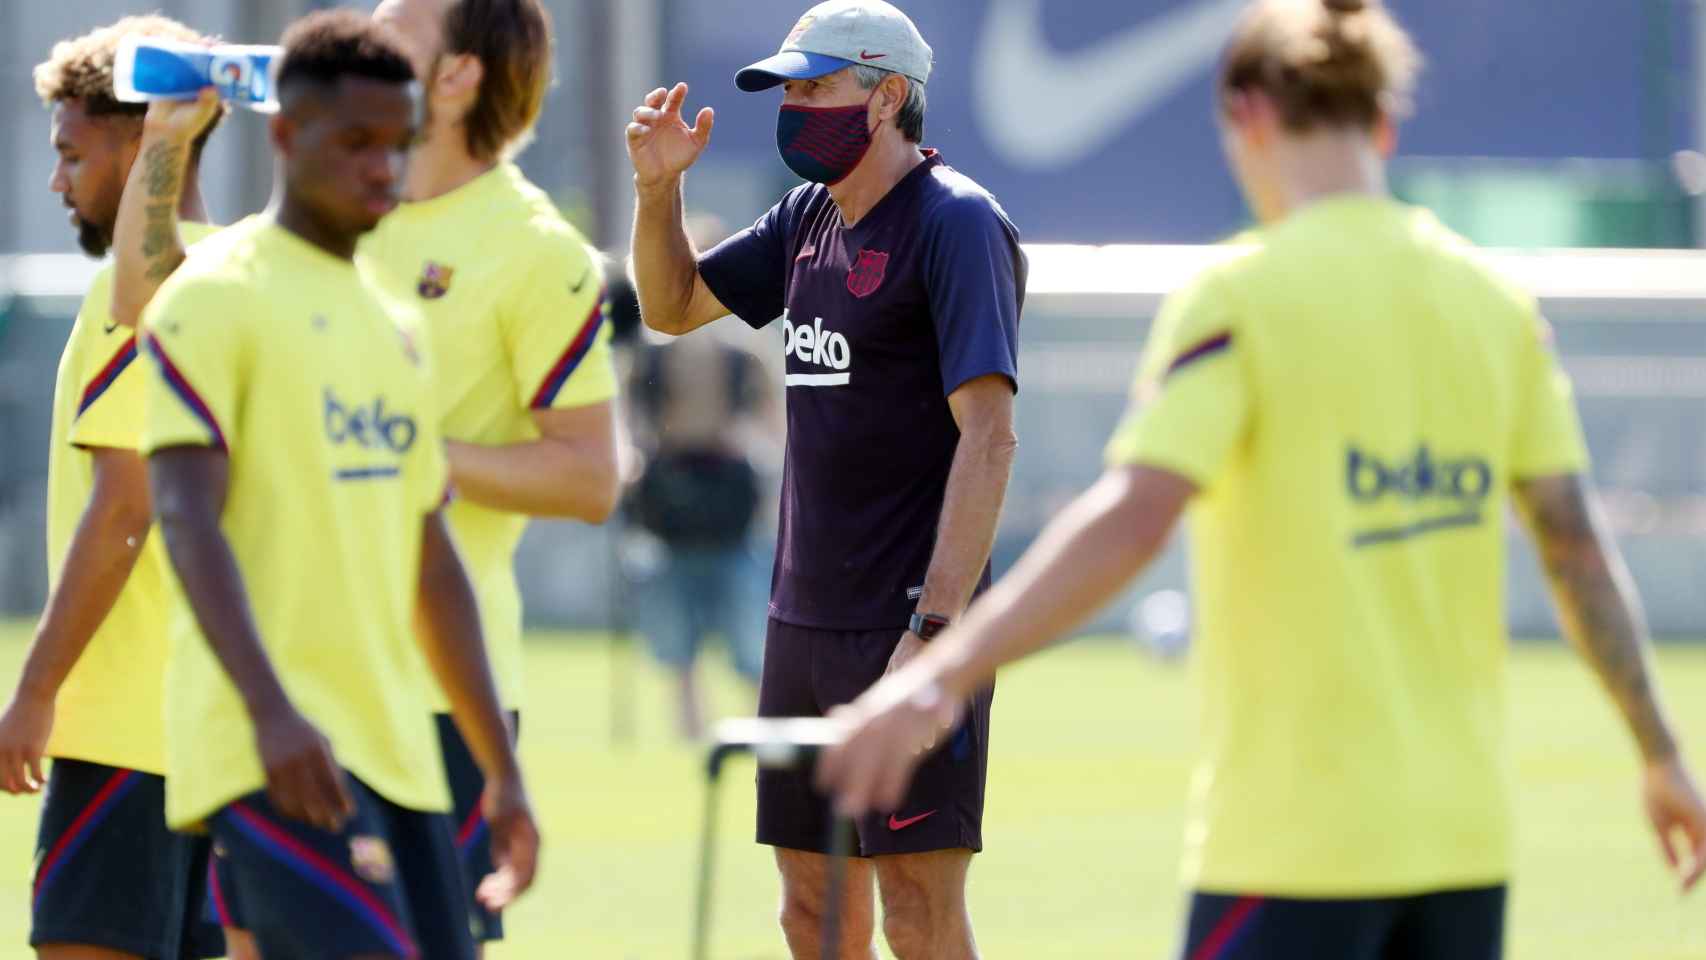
(1091, 119)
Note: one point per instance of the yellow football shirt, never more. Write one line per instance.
(513, 299)
(1353, 398)
(108, 710)
(283, 357)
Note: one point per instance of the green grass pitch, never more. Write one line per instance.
(1091, 746)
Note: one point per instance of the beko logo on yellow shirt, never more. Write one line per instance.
(369, 426)
(1437, 493)
(1421, 476)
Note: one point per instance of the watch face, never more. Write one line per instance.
(928, 626)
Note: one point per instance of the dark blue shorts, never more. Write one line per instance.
(1447, 925)
(108, 872)
(473, 842)
(387, 885)
(809, 671)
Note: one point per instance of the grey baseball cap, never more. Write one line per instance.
(837, 34)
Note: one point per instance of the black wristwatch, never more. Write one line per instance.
(927, 625)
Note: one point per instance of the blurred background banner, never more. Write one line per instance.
(1090, 119)
(1563, 123)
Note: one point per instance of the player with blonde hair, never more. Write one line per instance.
(1347, 408)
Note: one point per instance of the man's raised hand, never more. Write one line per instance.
(660, 143)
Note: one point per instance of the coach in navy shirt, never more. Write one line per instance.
(898, 282)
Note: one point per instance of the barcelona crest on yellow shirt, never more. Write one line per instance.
(435, 280)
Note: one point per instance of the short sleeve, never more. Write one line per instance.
(1547, 440)
(748, 272)
(1191, 402)
(974, 274)
(110, 383)
(194, 337)
(557, 332)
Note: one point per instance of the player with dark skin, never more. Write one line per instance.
(95, 154)
(342, 149)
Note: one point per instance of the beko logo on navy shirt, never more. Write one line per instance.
(1457, 487)
(815, 346)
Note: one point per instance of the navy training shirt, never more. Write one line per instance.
(882, 321)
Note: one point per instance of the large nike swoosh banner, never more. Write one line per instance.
(1090, 119)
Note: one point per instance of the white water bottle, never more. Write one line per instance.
(153, 68)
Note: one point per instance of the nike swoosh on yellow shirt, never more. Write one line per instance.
(1042, 110)
(578, 284)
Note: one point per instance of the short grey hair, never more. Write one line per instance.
(910, 119)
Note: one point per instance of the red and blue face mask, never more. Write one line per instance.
(824, 144)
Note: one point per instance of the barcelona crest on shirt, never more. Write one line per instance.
(867, 275)
(435, 281)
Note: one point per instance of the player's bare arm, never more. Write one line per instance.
(971, 507)
(1079, 563)
(448, 628)
(673, 297)
(146, 244)
(1601, 614)
(109, 538)
(304, 781)
(570, 471)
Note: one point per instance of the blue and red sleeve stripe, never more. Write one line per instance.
(108, 376)
(186, 393)
(1201, 350)
(571, 359)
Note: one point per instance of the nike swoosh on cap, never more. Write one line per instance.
(871, 56)
(1019, 83)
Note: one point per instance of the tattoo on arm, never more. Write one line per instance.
(1596, 600)
(162, 165)
(163, 173)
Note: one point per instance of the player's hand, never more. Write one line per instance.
(515, 842)
(1679, 818)
(24, 729)
(660, 143)
(886, 733)
(180, 121)
(304, 781)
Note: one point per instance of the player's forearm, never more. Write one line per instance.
(971, 512)
(665, 266)
(98, 562)
(1597, 604)
(146, 243)
(448, 627)
(1081, 561)
(189, 495)
(208, 571)
(548, 477)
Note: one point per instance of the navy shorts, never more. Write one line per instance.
(473, 841)
(1447, 925)
(108, 872)
(387, 885)
(808, 671)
